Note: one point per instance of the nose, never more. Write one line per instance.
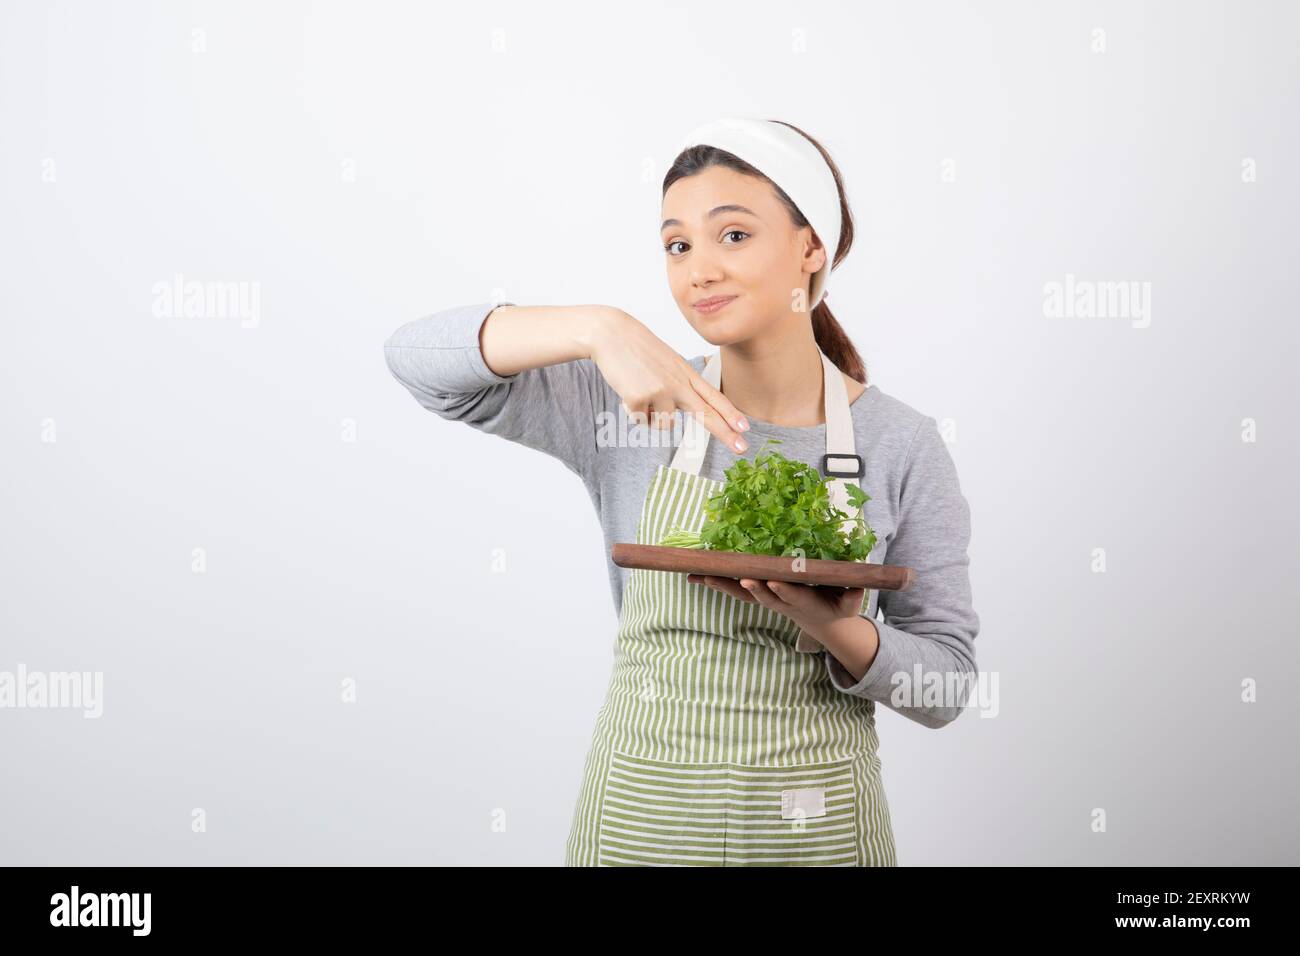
(704, 273)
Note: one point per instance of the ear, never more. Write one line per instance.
(814, 254)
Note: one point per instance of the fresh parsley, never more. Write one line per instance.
(776, 506)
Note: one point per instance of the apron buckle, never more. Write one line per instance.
(829, 472)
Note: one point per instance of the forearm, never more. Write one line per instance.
(514, 338)
(853, 641)
(900, 669)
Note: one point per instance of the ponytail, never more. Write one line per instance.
(835, 342)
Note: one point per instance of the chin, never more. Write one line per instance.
(724, 330)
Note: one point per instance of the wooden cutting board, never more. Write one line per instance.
(763, 567)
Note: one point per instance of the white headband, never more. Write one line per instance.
(791, 161)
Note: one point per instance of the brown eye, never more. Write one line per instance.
(669, 247)
(735, 232)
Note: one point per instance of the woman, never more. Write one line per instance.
(739, 724)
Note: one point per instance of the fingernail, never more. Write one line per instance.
(747, 584)
(740, 444)
(743, 425)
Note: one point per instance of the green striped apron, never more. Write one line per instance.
(722, 741)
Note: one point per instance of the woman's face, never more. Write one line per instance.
(727, 234)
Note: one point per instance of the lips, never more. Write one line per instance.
(713, 303)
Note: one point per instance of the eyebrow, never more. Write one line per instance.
(715, 211)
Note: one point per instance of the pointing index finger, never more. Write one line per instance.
(718, 415)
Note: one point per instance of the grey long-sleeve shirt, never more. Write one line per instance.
(917, 509)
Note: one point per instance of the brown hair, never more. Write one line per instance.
(829, 334)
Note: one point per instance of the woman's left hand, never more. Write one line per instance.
(811, 606)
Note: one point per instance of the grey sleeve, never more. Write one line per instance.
(551, 409)
(933, 623)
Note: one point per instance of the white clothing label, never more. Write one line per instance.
(807, 802)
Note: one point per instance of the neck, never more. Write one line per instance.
(777, 377)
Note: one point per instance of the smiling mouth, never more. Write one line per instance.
(713, 304)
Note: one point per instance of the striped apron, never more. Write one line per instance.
(722, 741)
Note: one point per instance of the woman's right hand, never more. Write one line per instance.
(653, 381)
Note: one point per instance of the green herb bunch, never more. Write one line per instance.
(779, 507)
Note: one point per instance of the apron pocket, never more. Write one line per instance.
(657, 813)
(796, 815)
(662, 813)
